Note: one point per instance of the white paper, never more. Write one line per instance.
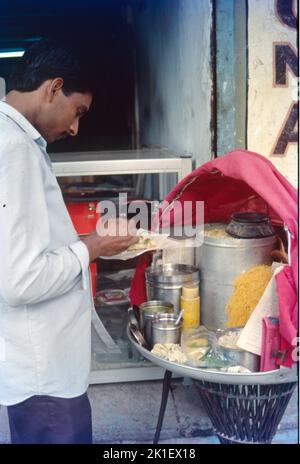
(128, 254)
(162, 242)
(251, 336)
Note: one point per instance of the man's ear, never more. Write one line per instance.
(54, 86)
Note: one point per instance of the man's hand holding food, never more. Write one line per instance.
(111, 237)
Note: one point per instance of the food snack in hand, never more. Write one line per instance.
(145, 241)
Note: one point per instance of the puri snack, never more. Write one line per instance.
(145, 241)
(170, 351)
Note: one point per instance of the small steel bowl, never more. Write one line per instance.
(239, 356)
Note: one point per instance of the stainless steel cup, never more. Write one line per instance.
(164, 329)
(148, 311)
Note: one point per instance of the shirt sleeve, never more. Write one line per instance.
(28, 272)
(82, 253)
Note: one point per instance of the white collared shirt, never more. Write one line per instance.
(45, 294)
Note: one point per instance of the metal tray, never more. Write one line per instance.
(282, 375)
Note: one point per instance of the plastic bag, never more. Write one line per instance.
(201, 349)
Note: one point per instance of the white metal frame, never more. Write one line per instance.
(146, 161)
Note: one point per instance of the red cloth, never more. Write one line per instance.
(243, 181)
(137, 292)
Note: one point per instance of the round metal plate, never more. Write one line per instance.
(281, 375)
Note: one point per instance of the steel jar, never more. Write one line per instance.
(221, 259)
(165, 282)
(238, 356)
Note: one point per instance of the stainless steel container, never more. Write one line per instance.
(164, 330)
(221, 259)
(239, 356)
(165, 282)
(148, 311)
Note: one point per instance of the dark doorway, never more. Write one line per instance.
(103, 29)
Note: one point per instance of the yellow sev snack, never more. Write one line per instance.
(249, 287)
(217, 233)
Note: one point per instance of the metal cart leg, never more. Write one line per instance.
(163, 404)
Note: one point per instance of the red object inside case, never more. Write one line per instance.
(84, 216)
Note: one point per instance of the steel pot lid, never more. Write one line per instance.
(173, 273)
(137, 335)
(156, 306)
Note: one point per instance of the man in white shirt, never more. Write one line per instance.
(45, 294)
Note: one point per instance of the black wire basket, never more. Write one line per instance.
(245, 414)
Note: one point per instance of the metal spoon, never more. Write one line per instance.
(179, 317)
(132, 317)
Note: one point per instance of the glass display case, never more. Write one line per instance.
(90, 177)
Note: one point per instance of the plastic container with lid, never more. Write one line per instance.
(250, 225)
(190, 303)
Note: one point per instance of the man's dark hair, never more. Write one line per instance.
(47, 59)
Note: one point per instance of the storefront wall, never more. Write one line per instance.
(273, 69)
(175, 75)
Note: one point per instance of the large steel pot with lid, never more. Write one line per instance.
(164, 282)
(222, 258)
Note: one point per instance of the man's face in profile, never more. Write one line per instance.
(64, 113)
